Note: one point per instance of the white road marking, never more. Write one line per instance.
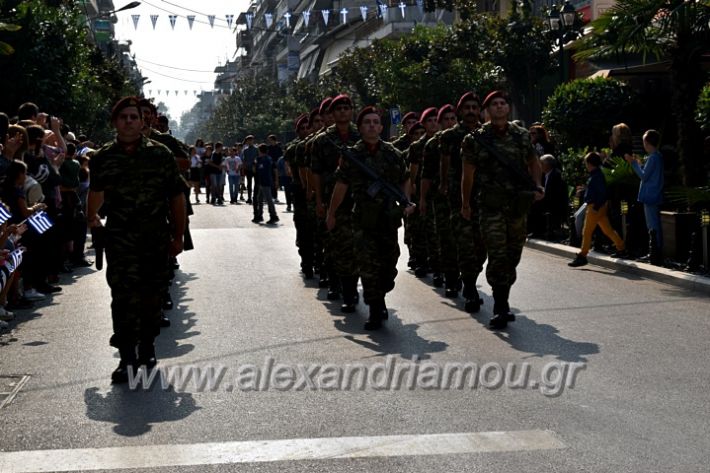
(155, 456)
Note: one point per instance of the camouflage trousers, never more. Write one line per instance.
(504, 237)
(445, 243)
(138, 276)
(377, 255)
(433, 251)
(470, 248)
(305, 229)
(340, 244)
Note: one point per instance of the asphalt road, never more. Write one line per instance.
(638, 400)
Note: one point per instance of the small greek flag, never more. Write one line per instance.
(14, 260)
(4, 215)
(40, 222)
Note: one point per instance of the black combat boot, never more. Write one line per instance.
(654, 252)
(349, 294)
(323, 280)
(453, 285)
(377, 312)
(438, 280)
(335, 288)
(501, 308)
(167, 301)
(473, 300)
(146, 354)
(128, 361)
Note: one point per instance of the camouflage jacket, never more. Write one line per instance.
(402, 143)
(325, 156)
(137, 187)
(450, 145)
(177, 147)
(495, 182)
(431, 158)
(387, 162)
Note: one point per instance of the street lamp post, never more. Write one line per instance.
(561, 21)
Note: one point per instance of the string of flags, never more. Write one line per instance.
(380, 10)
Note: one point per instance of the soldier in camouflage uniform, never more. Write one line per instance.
(443, 244)
(137, 182)
(304, 239)
(314, 228)
(376, 218)
(339, 245)
(469, 247)
(423, 236)
(414, 133)
(408, 121)
(504, 195)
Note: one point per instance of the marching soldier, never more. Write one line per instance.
(468, 243)
(408, 121)
(304, 239)
(502, 161)
(339, 245)
(423, 237)
(377, 217)
(443, 244)
(139, 185)
(314, 231)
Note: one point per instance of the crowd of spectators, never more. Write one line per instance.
(244, 169)
(43, 168)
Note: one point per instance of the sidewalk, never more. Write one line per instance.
(668, 276)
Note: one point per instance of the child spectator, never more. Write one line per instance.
(597, 206)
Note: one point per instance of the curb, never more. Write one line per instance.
(668, 276)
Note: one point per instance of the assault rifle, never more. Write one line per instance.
(523, 177)
(378, 185)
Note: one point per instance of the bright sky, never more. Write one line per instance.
(164, 54)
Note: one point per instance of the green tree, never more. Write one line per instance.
(55, 66)
(673, 30)
(597, 103)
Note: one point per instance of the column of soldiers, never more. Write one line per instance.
(473, 183)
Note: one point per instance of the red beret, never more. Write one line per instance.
(443, 110)
(125, 102)
(431, 111)
(367, 111)
(410, 116)
(340, 99)
(301, 118)
(465, 98)
(496, 94)
(324, 106)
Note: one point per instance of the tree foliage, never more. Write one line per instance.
(55, 66)
(702, 114)
(582, 112)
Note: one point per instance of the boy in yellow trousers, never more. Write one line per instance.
(597, 205)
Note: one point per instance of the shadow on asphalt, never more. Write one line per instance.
(182, 321)
(134, 411)
(394, 338)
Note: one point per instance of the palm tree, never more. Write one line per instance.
(6, 49)
(673, 30)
